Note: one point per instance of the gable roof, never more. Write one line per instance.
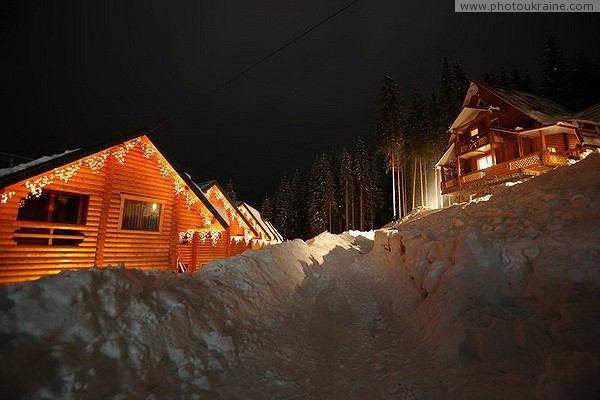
(205, 187)
(257, 217)
(275, 232)
(591, 114)
(540, 109)
(264, 223)
(19, 173)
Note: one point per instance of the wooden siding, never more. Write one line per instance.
(19, 262)
(104, 242)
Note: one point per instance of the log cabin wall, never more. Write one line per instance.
(31, 249)
(139, 179)
(194, 249)
(562, 142)
(28, 260)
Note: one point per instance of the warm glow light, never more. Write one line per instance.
(484, 162)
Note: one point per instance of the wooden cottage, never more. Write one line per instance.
(122, 202)
(503, 135)
(240, 235)
(267, 233)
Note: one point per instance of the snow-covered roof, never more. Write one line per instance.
(468, 114)
(204, 186)
(275, 232)
(541, 109)
(591, 114)
(33, 163)
(222, 213)
(261, 222)
(449, 155)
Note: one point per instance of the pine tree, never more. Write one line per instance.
(390, 136)
(266, 209)
(515, 79)
(582, 85)
(322, 195)
(527, 84)
(283, 208)
(490, 77)
(447, 92)
(461, 84)
(360, 160)
(346, 186)
(373, 195)
(298, 205)
(554, 73)
(502, 78)
(230, 191)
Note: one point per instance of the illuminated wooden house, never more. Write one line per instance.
(503, 135)
(122, 202)
(240, 234)
(267, 233)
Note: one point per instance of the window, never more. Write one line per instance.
(54, 208)
(474, 132)
(141, 215)
(63, 208)
(484, 162)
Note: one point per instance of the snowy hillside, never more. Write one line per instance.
(497, 299)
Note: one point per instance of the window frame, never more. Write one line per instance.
(142, 199)
(47, 232)
(82, 213)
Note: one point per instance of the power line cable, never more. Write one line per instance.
(262, 60)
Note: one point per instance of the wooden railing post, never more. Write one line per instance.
(491, 140)
(543, 144)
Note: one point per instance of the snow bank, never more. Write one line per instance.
(513, 281)
(124, 333)
(506, 292)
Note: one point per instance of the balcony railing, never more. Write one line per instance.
(551, 158)
(473, 143)
(537, 159)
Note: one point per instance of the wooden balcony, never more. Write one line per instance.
(530, 164)
(475, 142)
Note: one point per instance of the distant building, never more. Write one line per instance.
(503, 135)
(11, 160)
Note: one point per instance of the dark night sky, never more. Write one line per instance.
(77, 73)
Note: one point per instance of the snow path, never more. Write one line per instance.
(341, 336)
(336, 338)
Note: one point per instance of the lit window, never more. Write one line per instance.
(484, 162)
(141, 215)
(552, 149)
(474, 132)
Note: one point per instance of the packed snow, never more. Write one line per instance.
(497, 299)
(33, 163)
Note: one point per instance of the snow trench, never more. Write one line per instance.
(495, 299)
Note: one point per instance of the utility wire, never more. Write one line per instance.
(262, 60)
